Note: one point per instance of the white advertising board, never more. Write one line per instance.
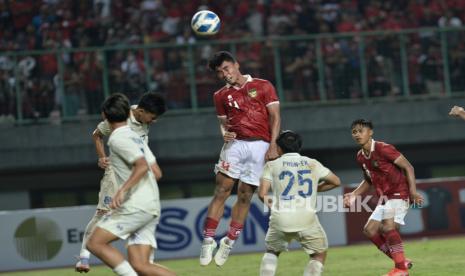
(43, 238)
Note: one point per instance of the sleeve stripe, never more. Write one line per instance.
(221, 116)
(271, 103)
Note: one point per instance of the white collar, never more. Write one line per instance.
(372, 149)
(121, 128)
(291, 154)
(248, 79)
(132, 118)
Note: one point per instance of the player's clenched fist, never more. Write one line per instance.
(348, 200)
(103, 162)
(229, 136)
(272, 152)
(417, 199)
(118, 199)
(456, 111)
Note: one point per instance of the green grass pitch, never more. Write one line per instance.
(431, 257)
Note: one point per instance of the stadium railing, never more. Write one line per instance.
(70, 83)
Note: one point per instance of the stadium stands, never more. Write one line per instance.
(54, 84)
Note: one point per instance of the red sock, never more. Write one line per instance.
(235, 229)
(397, 248)
(380, 242)
(209, 227)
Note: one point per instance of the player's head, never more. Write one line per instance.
(150, 107)
(289, 141)
(225, 66)
(362, 131)
(116, 108)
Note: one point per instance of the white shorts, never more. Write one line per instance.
(137, 228)
(313, 240)
(108, 187)
(243, 160)
(393, 208)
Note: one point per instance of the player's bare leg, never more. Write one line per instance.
(139, 258)
(315, 265)
(269, 263)
(223, 188)
(99, 245)
(239, 214)
(83, 264)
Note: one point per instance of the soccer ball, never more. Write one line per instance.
(205, 23)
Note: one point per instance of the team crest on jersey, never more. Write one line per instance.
(224, 165)
(107, 200)
(252, 92)
(374, 163)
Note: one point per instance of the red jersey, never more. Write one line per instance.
(386, 177)
(246, 108)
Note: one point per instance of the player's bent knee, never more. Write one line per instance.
(245, 195)
(140, 267)
(221, 194)
(369, 232)
(245, 198)
(320, 256)
(91, 245)
(387, 228)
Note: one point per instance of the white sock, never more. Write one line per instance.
(152, 256)
(89, 229)
(208, 240)
(229, 242)
(268, 265)
(314, 268)
(84, 254)
(124, 269)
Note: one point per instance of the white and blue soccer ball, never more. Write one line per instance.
(205, 23)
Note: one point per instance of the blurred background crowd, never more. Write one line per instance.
(32, 81)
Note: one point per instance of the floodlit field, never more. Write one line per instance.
(431, 257)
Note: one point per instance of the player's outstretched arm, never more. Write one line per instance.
(139, 169)
(457, 111)
(103, 160)
(409, 171)
(363, 187)
(329, 182)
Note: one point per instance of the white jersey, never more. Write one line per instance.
(294, 182)
(141, 129)
(125, 148)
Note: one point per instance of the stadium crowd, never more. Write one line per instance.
(53, 24)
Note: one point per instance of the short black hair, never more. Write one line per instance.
(289, 141)
(153, 103)
(116, 108)
(363, 123)
(218, 58)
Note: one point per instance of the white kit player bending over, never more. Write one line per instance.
(295, 181)
(149, 108)
(136, 204)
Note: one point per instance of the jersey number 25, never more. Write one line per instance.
(303, 179)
